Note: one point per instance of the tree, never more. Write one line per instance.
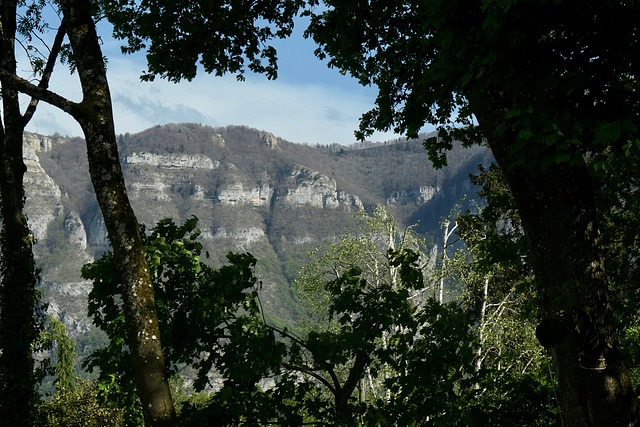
(20, 308)
(208, 318)
(495, 283)
(315, 374)
(64, 370)
(375, 327)
(618, 206)
(221, 36)
(544, 84)
(94, 115)
(369, 249)
(78, 408)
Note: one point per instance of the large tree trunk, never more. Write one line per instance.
(19, 317)
(558, 212)
(96, 119)
(19, 303)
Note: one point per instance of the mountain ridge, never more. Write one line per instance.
(251, 190)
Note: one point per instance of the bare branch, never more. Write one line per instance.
(48, 70)
(288, 335)
(24, 86)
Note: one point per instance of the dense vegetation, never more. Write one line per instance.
(550, 87)
(376, 345)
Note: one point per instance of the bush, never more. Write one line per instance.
(81, 408)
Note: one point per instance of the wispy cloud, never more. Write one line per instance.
(324, 109)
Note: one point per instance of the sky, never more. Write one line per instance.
(308, 103)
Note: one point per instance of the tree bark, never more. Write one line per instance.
(95, 116)
(558, 212)
(19, 325)
(20, 317)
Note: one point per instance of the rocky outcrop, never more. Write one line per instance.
(241, 236)
(96, 229)
(75, 232)
(172, 161)
(303, 240)
(218, 140)
(154, 187)
(237, 194)
(269, 139)
(43, 204)
(68, 303)
(417, 196)
(307, 187)
(35, 142)
(251, 191)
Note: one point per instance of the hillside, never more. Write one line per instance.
(251, 191)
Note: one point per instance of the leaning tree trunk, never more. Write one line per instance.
(96, 119)
(558, 212)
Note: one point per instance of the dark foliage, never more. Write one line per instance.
(208, 318)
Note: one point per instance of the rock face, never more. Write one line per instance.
(418, 196)
(307, 187)
(68, 302)
(43, 203)
(96, 230)
(237, 194)
(250, 190)
(172, 161)
(242, 236)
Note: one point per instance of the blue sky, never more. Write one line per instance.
(307, 103)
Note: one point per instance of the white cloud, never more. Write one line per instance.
(297, 112)
(325, 110)
(308, 103)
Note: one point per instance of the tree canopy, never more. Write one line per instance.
(565, 70)
(222, 36)
(548, 85)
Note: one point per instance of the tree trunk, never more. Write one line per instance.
(557, 208)
(20, 317)
(19, 303)
(96, 119)
(438, 293)
(343, 393)
(482, 324)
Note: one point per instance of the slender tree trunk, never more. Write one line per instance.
(557, 208)
(482, 319)
(96, 119)
(20, 319)
(343, 393)
(438, 293)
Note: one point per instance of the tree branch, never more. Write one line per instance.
(46, 74)
(288, 335)
(361, 362)
(311, 372)
(24, 86)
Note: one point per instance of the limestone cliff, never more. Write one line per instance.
(250, 190)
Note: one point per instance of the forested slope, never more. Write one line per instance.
(251, 191)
